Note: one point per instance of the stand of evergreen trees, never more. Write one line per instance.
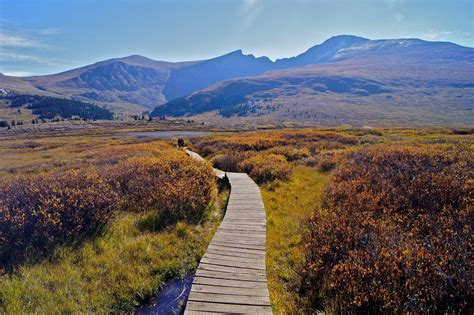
(47, 107)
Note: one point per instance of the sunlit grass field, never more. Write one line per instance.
(117, 271)
(333, 256)
(288, 205)
(122, 265)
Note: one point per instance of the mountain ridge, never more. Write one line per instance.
(136, 83)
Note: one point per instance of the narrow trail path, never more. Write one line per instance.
(231, 277)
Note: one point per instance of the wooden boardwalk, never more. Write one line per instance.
(231, 276)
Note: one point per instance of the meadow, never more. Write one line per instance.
(358, 220)
(361, 220)
(94, 223)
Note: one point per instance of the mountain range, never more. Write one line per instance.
(344, 80)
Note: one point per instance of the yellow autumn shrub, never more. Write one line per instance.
(177, 186)
(264, 167)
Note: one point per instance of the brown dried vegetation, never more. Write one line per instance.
(41, 211)
(396, 232)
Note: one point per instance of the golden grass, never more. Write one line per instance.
(115, 272)
(288, 204)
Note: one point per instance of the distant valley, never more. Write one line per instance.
(345, 80)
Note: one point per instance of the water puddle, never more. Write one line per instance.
(171, 299)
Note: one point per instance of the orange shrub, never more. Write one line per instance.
(395, 234)
(42, 211)
(228, 162)
(291, 154)
(38, 212)
(176, 185)
(326, 162)
(264, 167)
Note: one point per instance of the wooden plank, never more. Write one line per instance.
(228, 290)
(238, 245)
(244, 221)
(234, 240)
(235, 254)
(240, 240)
(230, 283)
(228, 308)
(237, 227)
(229, 299)
(250, 260)
(241, 235)
(231, 277)
(233, 249)
(230, 269)
(230, 263)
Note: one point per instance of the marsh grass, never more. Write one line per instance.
(117, 269)
(115, 272)
(288, 205)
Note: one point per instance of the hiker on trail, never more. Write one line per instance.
(180, 142)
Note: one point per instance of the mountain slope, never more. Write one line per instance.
(321, 53)
(133, 80)
(186, 80)
(368, 83)
(342, 70)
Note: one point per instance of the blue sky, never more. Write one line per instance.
(48, 36)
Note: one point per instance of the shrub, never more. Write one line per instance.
(264, 167)
(395, 235)
(227, 162)
(329, 145)
(38, 212)
(176, 186)
(326, 163)
(310, 161)
(291, 154)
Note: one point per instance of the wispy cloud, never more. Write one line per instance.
(249, 3)
(25, 48)
(250, 12)
(49, 31)
(24, 57)
(432, 34)
(10, 56)
(393, 3)
(398, 17)
(18, 41)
